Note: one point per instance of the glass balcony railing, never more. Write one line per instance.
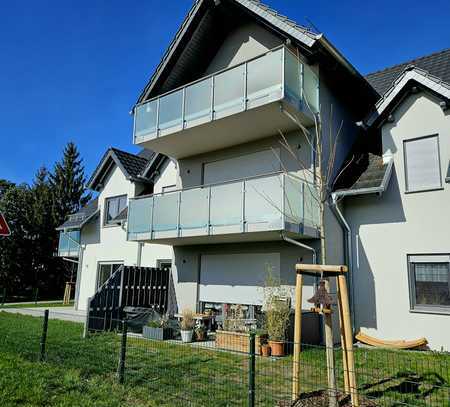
(266, 203)
(275, 75)
(69, 243)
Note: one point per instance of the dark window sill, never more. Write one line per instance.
(430, 310)
(425, 190)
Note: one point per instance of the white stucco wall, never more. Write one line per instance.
(386, 229)
(246, 42)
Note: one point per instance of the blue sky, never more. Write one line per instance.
(71, 70)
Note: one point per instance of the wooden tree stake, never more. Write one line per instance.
(297, 337)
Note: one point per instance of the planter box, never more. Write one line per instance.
(160, 334)
(237, 341)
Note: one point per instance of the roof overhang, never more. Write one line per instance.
(395, 94)
(364, 191)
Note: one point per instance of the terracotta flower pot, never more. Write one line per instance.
(265, 349)
(277, 348)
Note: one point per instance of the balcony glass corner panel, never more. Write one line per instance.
(171, 112)
(194, 209)
(264, 79)
(310, 89)
(165, 212)
(293, 80)
(198, 103)
(145, 118)
(140, 217)
(226, 204)
(263, 200)
(293, 199)
(311, 206)
(229, 92)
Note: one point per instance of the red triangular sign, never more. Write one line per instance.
(4, 228)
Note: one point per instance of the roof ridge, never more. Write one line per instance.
(128, 153)
(410, 62)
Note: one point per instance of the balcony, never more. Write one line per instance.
(69, 243)
(230, 107)
(254, 209)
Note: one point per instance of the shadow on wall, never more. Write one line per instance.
(91, 232)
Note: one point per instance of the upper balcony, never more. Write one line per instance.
(69, 243)
(253, 209)
(232, 106)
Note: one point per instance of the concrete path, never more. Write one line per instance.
(62, 313)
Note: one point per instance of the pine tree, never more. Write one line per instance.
(68, 185)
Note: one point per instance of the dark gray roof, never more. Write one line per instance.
(134, 166)
(83, 216)
(437, 64)
(364, 172)
(132, 163)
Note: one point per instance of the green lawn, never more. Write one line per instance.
(37, 305)
(81, 372)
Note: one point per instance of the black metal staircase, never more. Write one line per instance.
(145, 287)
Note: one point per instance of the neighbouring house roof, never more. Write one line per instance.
(363, 174)
(205, 27)
(122, 215)
(82, 217)
(409, 78)
(133, 166)
(436, 64)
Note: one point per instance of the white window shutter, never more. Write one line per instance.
(422, 164)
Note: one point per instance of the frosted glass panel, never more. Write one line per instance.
(263, 201)
(194, 208)
(140, 215)
(229, 92)
(165, 212)
(311, 88)
(198, 101)
(311, 205)
(145, 119)
(293, 200)
(264, 76)
(226, 204)
(292, 78)
(171, 110)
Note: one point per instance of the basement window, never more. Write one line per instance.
(429, 277)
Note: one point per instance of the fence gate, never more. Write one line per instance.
(146, 287)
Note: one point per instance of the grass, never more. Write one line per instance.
(82, 372)
(37, 305)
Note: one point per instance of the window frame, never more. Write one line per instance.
(423, 308)
(405, 165)
(106, 206)
(105, 263)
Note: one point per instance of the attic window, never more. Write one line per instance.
(114, 206)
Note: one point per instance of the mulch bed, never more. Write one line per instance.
(320, 399)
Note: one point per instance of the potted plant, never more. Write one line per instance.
(157, 329)
(200, 333)
(277, 312)
(187, 325)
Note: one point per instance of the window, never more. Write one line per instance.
(430, 282)
(105, 270)
(422, 164)
(113, 206)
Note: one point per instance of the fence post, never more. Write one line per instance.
(43, 336)
(36, 293)
(251, 371)
(123, 351)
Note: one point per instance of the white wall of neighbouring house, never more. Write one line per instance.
(386, 229)
(108, 244)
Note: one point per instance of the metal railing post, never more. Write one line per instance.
(251, 371)
(43, 337)
(123, 352)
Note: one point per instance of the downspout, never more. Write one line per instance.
(348, 253)
(139, 254)
(304, 246)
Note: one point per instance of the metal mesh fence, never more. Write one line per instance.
(225, 368)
